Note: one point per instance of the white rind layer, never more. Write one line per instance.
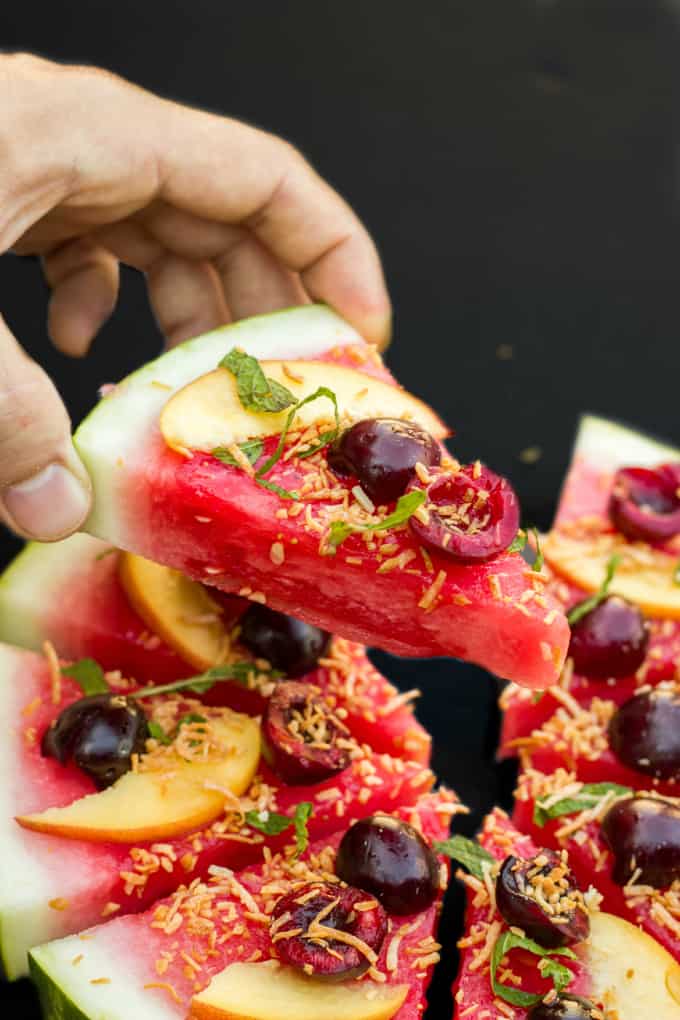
(123, 997)
(34, 580)
(115, 431)
(612, 446)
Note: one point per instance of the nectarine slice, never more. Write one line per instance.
(166, 798)
(207, 413)
(269, 991)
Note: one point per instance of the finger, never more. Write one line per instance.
(84, 279)
(222, 170)
(186, 297)
(44, 489)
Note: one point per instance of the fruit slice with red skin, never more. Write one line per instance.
(600, 449)
(70, 594)
(576, 738)
(87, 881)
(619, 964)
(591, 859)
(215, 524)
(126, 950)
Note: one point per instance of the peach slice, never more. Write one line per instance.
(645, 576)
(178, 610)
(207, 413)
(176, 797)
(269, 991)
(630, 972)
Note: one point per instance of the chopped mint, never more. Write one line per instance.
(236, 671)
(519, 542)
(89, 676)
(158, 733)
(405, 508)
(274, 824)
(588, 796)
(539, 559)
(255, 391)
(251, 449)
(582, 608)
(560, 975)
(467, 852)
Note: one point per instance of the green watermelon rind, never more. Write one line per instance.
(611, 445)
(122, 421)
(55, 1004)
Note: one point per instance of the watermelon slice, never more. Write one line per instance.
(183, 507)
(158, 965)
(600, 449)
(51, 885)
(70, 593)
(618, 969)
(576, 738)
(573, 819)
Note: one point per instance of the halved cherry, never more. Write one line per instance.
(540, 896)
(471, 515)
(645, 502)
(301, 735)
(644, 733)
(643, 833)
(320, 914)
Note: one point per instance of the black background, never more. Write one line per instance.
(517, 164)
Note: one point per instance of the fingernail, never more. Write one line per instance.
(48, 506)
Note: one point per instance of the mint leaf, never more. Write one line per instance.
(235, 671)
(588, 796)
(273, 487)
(89, 676)
(189, 718)
(158, 733)
(251, 448)
(539, 559)
(303, 813)
(405, 508)
(560, 975)
(275, 824)
(582, 608)
(518, 543)
(255, 391)
(467, 852)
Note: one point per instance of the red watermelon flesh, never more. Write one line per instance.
(216, 525)
(575, 738)
(656, 911)
(473, 993)
(145, 957)
(88, 881)
(72, 596)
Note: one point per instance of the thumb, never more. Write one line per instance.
(45, 492)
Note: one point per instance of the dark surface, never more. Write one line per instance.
(517, 163)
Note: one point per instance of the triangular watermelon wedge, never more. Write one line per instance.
(169, 962)
(601, 448)
(185, 508)
(71, 594)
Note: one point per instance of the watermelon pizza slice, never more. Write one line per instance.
(114, 797)
(627, 841)
(615, 576)
(345, 929)
(309, 480)
(154, 624)
(536, 945)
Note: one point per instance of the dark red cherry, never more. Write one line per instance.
(643, 833)
(645, 502)
(644, 733)
(315, 911)
(565, 1007)
(301, 735)
(391, 860)
(609, 641)
(382, 453)
(289, 645)
(471, 515)
(99, 734)
(540, 896)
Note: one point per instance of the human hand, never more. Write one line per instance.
(225, 221)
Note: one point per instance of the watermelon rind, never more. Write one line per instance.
(612, 445)
(115, 429)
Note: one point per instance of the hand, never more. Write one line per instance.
(224, 220)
